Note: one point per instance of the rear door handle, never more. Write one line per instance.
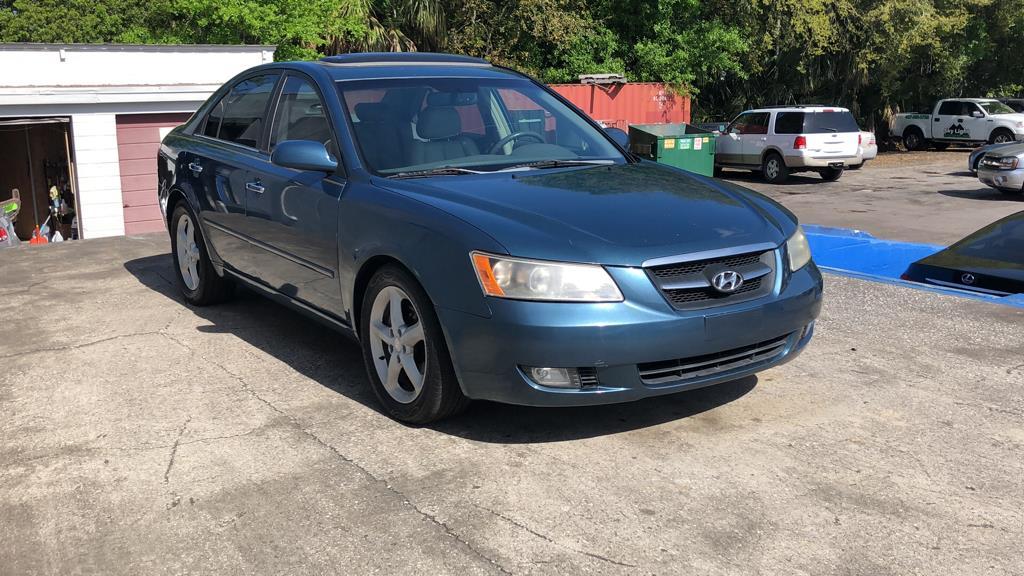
(195, 167)
(256, 187)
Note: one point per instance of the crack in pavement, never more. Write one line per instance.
(77, 346)
(549, 540)
(174, 448)
(378, 480)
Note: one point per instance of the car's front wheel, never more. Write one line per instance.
(407, 360)
(199, 282)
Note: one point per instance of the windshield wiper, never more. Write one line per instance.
(542, 164)
(443, 171)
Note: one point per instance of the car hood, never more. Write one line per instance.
(1008, 149)
(621, 214)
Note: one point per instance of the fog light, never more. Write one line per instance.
(553, 377)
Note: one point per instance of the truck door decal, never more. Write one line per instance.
(957, 130)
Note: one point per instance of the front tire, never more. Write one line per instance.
(774, 168)
(407, 360)
(831, 174)
(1000, 136)
(199, 282)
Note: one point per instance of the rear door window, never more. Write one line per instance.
(239, 116)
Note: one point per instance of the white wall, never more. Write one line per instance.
(99, 175)
(79, 65)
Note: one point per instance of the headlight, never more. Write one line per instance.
(1000, 162)
(516, 278)
(798, 249)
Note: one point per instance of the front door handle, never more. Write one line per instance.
(195, 167)
(254, 187)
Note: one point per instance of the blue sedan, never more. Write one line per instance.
(479, 236)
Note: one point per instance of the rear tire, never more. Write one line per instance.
(199, 282)
(774, 168)
(913, 139)
(1000, 136)
(831, 174)
(406, 357)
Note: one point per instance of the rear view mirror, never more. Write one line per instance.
(618, 135)
(303, 155)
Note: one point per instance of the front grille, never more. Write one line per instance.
(653, 373)
(687, 285)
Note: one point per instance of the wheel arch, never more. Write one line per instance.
(362, 280)
(1000, 130)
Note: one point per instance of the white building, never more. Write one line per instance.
(88, 119)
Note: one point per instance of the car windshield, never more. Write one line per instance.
(1002, 241)
(418, 125)
(996, 108)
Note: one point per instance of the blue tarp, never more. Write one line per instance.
(858, 253)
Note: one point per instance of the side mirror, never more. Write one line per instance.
(619, 136)
(303, 155)
(977, 114)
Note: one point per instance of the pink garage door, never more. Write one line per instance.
(138, 139)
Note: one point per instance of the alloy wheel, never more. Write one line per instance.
(1001, 138)
(188, 252)
(398, 344)
(771, 168)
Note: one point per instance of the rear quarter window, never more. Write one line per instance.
(789, 122)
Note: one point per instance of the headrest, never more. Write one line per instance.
(373, 112)
(439, 123)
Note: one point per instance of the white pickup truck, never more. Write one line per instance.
(970, 120)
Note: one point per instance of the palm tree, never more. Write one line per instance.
(393, 26)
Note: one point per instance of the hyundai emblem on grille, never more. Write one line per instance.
(727, 281)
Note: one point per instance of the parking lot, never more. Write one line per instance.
(926, 197)
(139, 435)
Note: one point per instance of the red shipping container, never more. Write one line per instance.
(620, 105)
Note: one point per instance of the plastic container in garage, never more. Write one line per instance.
(681, 145)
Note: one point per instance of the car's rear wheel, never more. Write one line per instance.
(774, 169)
(199, 282)
(913, 139)
(831, 174)
(407, 360)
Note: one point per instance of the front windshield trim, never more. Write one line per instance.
(575, 127)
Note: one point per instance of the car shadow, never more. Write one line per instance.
(335, 361)
(986, 194)
(799, 179)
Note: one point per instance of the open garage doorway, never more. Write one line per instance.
(36, 166)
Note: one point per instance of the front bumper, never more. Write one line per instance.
(614, 338)
(1011, 180)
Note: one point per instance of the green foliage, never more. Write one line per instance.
(875, 56)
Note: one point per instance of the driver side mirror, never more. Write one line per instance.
(977, 114)
(619, 136)
(303, 155)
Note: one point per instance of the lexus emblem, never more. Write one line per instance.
(727, 281)
(967, 278)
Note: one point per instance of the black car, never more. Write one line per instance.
(1016, 103)
(990, 261)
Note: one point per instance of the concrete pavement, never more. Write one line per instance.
(139, 435)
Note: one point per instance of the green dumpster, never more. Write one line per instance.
(681, 145)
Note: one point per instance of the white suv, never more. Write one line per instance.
(780, 140)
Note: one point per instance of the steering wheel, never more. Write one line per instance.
(512, 138)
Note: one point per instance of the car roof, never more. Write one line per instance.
(393, 65)
(800, 108)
